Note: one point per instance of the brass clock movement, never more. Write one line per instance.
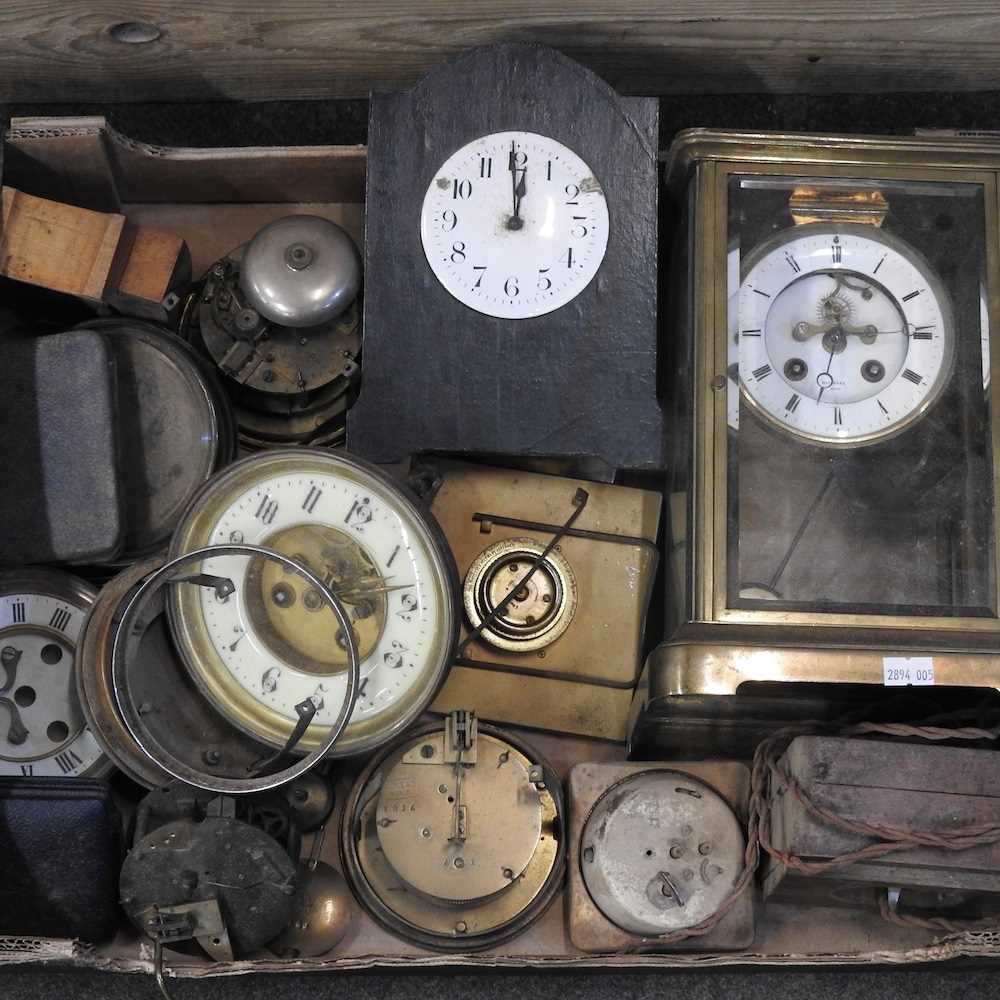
(833, 515)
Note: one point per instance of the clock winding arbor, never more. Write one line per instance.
(510, 265)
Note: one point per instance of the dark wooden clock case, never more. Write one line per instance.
(439, 376)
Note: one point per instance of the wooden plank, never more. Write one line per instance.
(58, 246)
(252, 49)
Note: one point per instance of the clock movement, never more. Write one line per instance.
(833, 509)
(510, 265)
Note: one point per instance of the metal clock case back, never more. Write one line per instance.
(837, 504)
(262, 650)
(454, 836)
(175, 428)
(45, 733)
(656, 850)
(280, 317)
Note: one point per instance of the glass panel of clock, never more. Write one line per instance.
(859, 460)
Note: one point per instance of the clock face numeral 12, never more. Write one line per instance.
(514, 225)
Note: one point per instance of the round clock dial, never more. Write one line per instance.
(274, 643)
(514, 225)
(42, 729)
(845, 334)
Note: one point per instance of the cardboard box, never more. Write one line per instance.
(216, 199)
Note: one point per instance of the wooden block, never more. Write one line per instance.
(96, 256)
(57, 246)
(151, 264)
(909, 786)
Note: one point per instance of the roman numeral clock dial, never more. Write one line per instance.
(514, 225)
(43, 732)
(274, 643)
(845, 334)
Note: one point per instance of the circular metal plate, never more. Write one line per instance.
(543, 607)
(186, 861)
(660, 852)
(449, 924)
(498, 807)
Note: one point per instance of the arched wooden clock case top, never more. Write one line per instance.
(579, 380)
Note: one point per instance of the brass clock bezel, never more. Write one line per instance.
(506, 913)
(202, 660)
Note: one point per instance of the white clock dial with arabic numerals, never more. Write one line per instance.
(42, 729)
(845, 334)
(275, 642)
(514, 225)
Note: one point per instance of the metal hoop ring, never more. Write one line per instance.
(133, 721)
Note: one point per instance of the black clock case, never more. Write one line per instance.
(580, 381)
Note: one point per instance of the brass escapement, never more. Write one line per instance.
(291, 617)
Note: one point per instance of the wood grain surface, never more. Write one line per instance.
(227, 49)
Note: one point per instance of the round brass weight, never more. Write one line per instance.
(465, 895)
(322, 913)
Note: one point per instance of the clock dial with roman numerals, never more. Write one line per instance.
(514, 224)
(42, 729)
(274, 642)
(845, 334)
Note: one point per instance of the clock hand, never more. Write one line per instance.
(9, 659)
(821, 379)
(517, 189)
(18, 732)
(365, 591)
(803, 331)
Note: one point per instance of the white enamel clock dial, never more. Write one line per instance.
(845, 334)
(275, 643)
(42, 729)
(514, 225)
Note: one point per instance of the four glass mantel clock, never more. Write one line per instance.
(833, 504)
